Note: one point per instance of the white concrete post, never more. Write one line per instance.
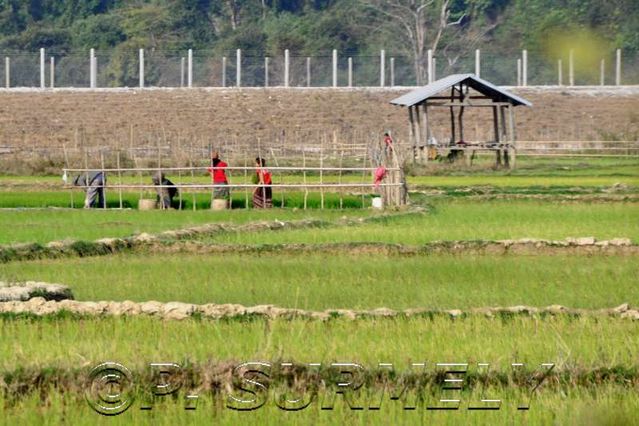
(571, 67)
(95, 72)
(603, 72)
(266, 61)
(392, 72)
(238, 67)
(92, 69)
(430, 66)
(141, 68)
(287, 67)
(334, 68)
(560, 72)
(350, 72)
(382, 68)
(524, 68)
(52, 73)
(224, 71)
(43, 83)
(308, 72)
(434, 69)
(618, 69)
(182, 71)
(518, 72)
(189, 77)
(7, 72)
(477, 63)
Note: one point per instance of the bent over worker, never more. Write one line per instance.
(166, 190)
(93, 181)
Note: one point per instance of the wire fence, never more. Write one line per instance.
(156, 68)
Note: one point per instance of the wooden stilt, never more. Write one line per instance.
(512, 136)
(427, 133)
(411, 126)
(504, 137)
(497, 139)
(418, 134)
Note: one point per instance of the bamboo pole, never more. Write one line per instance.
(364, 173)
(119, 178)
(86, 166)
(321, 181)
(192, 179)
(246, 197)
(341, 197)
(103, 179)
(66, 164)
(280, 176)
(305, 187)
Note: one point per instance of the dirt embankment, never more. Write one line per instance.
(198, 117)
(188, 241)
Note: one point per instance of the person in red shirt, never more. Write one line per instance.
(263, 194)
(388, 144)
(218, 175)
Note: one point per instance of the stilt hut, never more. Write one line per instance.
(458, 92)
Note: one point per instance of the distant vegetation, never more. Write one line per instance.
(306, 26)
(404, 28)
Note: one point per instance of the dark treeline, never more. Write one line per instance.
(452, 28)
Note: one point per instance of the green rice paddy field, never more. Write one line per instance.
(44, 361)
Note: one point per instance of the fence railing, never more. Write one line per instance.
(173, 69)
(301, 179)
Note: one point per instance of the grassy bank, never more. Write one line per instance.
(446, 219)
(605, 405)
(583, 342)
(325, 281)
(473, 220)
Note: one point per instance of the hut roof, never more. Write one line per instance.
(484, 87)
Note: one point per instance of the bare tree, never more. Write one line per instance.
(234, 7)
(419, 25)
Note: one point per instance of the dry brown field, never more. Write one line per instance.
(201, 116)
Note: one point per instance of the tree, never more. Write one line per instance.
(421, 25)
